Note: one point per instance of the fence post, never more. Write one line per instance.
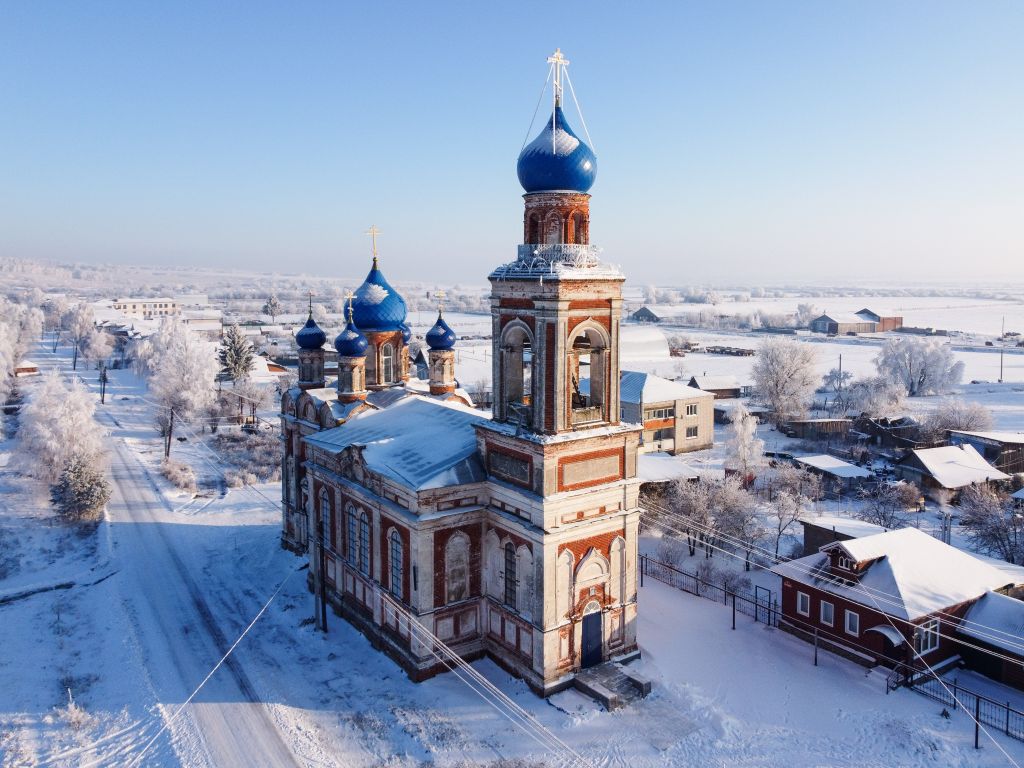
(734, 610)
(643, 562)
(977, 721)
(1007, 718)
(815, 646)
(955, 697)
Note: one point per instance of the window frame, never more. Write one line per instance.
(364, 544)
(387, 363)
(844, 562)
(511, 582)
(821, 613)
(695, 430)
(803, 596)
(848, 614)
(325, 519)
(929, 630)
(396, 556)
(691, 409)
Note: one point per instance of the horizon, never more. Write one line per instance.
(887, 141)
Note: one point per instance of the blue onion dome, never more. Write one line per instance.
(310, 336)
(406, 332)
(378, 306)
(350, 342)
(557, 160)
(440, 336)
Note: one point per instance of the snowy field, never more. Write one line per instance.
(185, 577)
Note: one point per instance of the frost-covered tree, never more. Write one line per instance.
(920, 366)
(57, 425)
(804, 314)
(97, 347)
(877, 397)
(183, 369)
(78, 325)
(272, 307)
(237, 355)
(744, 449)
(836, 383)
(784, 377)
(958, 414)
(793, 491)
(992, 524)
(81, 492)
(888, 504)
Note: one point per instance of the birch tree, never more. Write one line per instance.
(78, 324)
(920, 366)
(272, 307)
(744, 450)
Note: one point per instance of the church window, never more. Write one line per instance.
(456, 567)
(387, 364)
(533, 233)
(396, 551)
(510, 575)
(364, 544)
(553, 230)
(325, 518)
(352, 549)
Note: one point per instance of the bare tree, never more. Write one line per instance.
(888, 504)
(795, 490)
(920, 366)
(784, 377)
(992, 523)
(956, 414)
(787, 509)
(877, 397)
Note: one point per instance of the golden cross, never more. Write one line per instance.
(373, 232)
(560, 62)
(350, 296)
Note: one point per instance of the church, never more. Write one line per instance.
(513, 534)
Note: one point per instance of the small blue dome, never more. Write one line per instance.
(310, 336)
(350, 342)
(557, 160)
(378, 306)
(440, 336)
(406, 332)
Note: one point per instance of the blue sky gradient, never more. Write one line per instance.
(737, 141)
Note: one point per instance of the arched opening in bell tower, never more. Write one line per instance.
(517, 371)
(588, 361)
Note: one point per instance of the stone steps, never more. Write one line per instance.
(612, 685)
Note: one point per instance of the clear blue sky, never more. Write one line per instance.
(736, 141)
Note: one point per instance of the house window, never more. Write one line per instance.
(852, 623)
(664, 434)
(928, 636)
(396, 564)
(510, 575)
(364, 544)
(827, 613)
(691, 433)
(691, 409)
(844, 562)
(803, 603)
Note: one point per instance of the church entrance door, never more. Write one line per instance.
(592, 651)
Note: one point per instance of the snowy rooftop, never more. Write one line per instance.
(419, 442)
(639, 387)
(957, 466)
(844, 317)
(642, 342)
(999, 437)
(661, 467)
(1019, 494)
(1003, 620)
(844, 525)
(914, 574)
(716, 382)
(833, 466)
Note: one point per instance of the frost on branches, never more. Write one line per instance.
(272, 307)
(920, 366)
(784, 377)
(81, 492)
(992, 523)
(954, 413)
(237, 356)
(744, 450)
(182, 369)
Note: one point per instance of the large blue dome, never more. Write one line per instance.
(310, 336)
(350, 342)
(440, 336)
(378, 306)
(557, 160)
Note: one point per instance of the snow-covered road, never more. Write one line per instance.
(179, 636)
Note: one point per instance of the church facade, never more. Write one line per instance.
(431, 524)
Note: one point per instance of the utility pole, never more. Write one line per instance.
(103, 384)
(1002, 348)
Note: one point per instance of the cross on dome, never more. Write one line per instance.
(558, 63)
(373, 232)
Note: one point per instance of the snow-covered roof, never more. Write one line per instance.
(833, 466)
(843, 317)
(913, 574)
(997, 620)
(661, 468)
(844, 525)
(419, 442)
(728, 404)
(639, 387)
(25, 364)
(642, 342)
(957, 466)
(716, 382)
(999, 437)
(1019, 494)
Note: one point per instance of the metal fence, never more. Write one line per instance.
(759, 605)
(987, 711)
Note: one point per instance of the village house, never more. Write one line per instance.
(993, 628)
(885, 598)
(722, 387)
(644, 315)
(146, 309)
(842, 324)
(1003, 450)
(944, 471)
(882, 322)
(820, 530)
(676, 418)
(817, 429)
(839, 478)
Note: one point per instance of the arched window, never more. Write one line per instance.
(524, 588)
(387, 364)
(579, 229)
(364, 544)
(533, 229)
(553, 229)
(352, 536)
(517, 373)
(325, 518)
(395, 556)
(587, 365)
(510, 575)
(456, 567)
(288, 480)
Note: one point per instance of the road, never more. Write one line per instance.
(179, 637)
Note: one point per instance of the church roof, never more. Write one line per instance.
(310, 336)
(376, 305)
(440, 336)
(557, 160)
(418, 442)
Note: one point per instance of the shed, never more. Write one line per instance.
(949, 468)
(842, 323)
(1003, 450)
(817, 429)
(839, 477)
(644, 315)
(996, 623)
(26, 368)
(720, 386)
